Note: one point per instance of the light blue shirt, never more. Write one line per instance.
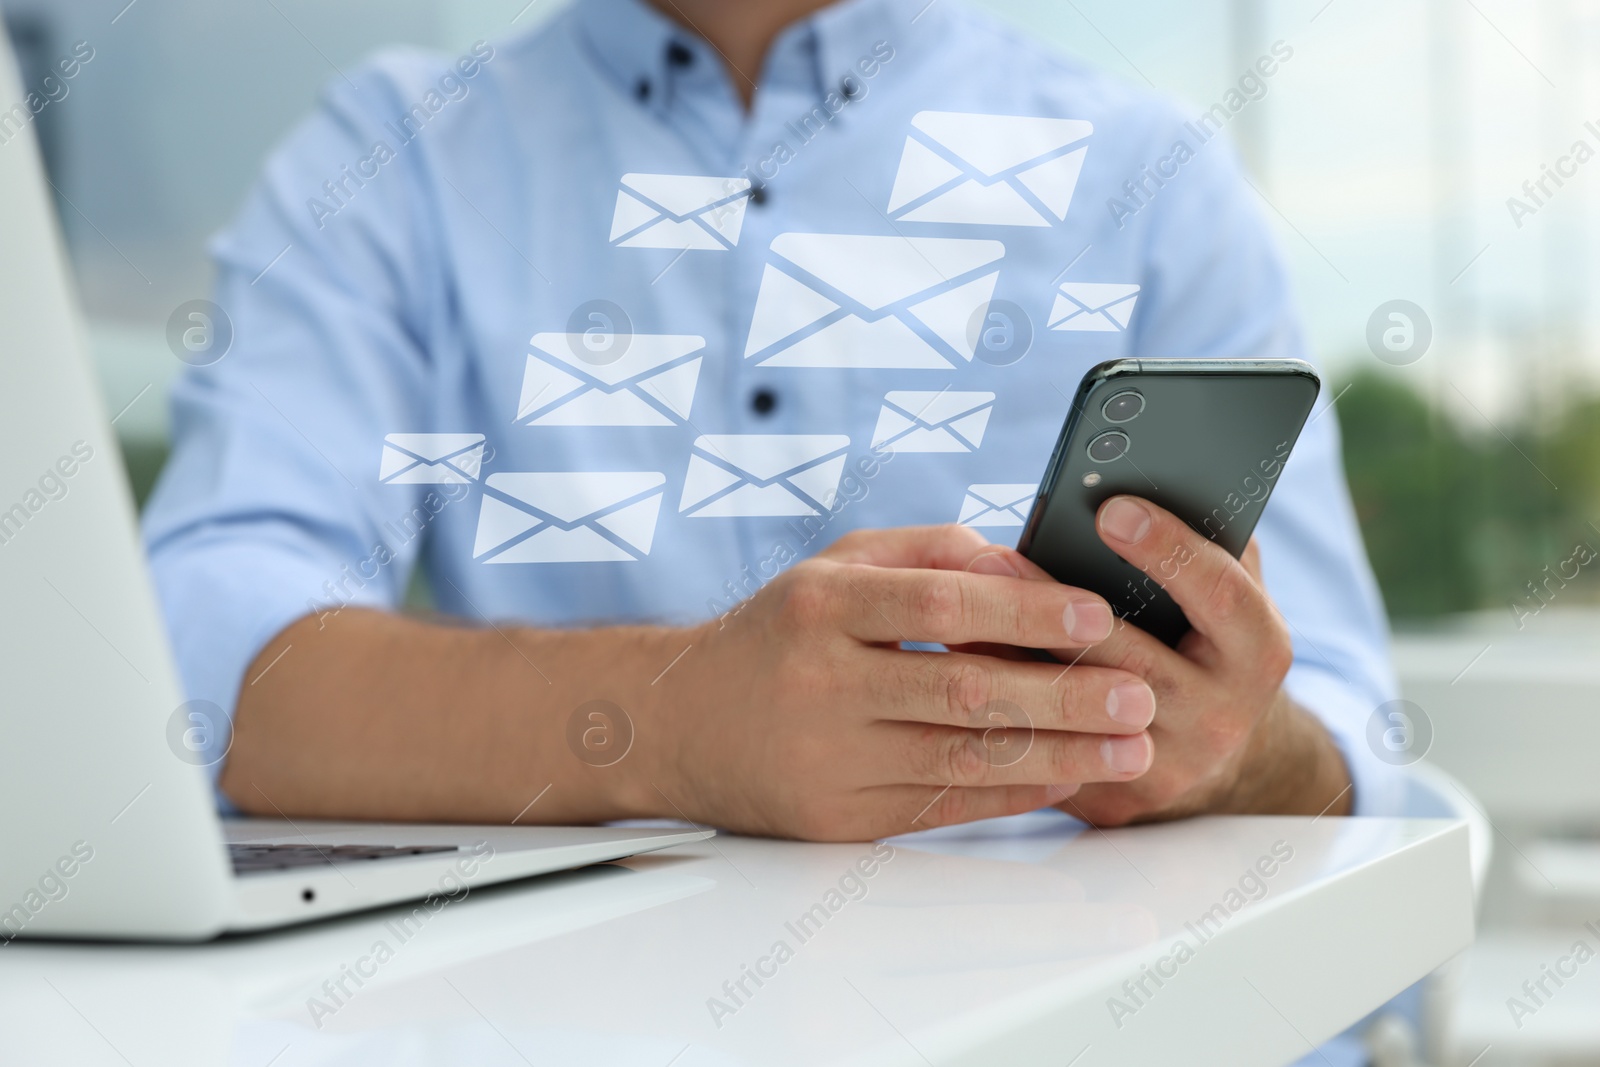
(560, 323)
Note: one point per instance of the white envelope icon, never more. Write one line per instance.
(568, 516)
(842, 300)
(431, 458)
(679, 211)
(997, 170)
(651, 383)
(763, 474)
(1003, 504)
(947, 421)
(1095, 307)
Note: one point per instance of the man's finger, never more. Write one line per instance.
(1007, 563)
(953, 607)
(1218, 595)
(1136, 652)
(981, 692)
(934, 547)
(1128, 648)
(1251, 561)
(1004, 755)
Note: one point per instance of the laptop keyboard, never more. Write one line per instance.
(253, 859)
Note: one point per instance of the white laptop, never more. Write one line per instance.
(107, 832)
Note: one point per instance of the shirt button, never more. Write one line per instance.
(642, 90)
(763, 401)
(758, 194)
(678, 54)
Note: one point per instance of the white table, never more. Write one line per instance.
(997, 943)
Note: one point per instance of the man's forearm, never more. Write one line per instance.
(381, 716)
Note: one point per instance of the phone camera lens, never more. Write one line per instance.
(1124, 407)
(1111, 445)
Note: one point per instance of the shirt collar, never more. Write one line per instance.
(636, 44)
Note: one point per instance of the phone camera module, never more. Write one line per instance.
(1124, 407)
(1109, 446)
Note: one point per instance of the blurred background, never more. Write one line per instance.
(1421, 151)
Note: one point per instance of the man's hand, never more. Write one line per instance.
(1227, 737)
(801, 715)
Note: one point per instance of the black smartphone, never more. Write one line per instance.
(1206, 439)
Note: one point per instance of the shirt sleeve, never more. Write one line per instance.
(269, 508)
(1216, 286)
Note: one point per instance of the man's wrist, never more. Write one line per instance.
(1292, 767)
(643, 782)
(607, 719)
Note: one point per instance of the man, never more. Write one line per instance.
(701, 556)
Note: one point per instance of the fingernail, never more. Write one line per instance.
(1126, 755)
(1133, 703)
(994, 563)
(1125, 520)
(1087, 621)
